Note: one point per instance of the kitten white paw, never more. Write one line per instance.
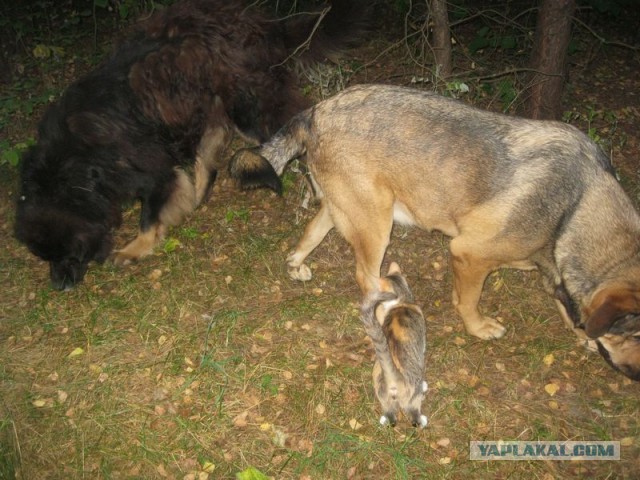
(425, 387)
(423, 421)
(384, 420)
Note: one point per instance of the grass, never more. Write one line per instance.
(209, 354)
(205, 359)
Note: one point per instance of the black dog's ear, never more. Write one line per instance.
(95, 176)
(93, 128)
(79, 246)
(104, 247)
(95, 173)
(94, 243)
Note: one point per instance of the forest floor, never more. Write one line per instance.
(205, 359)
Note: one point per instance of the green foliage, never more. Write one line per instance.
(457, 10)
(505, 91)
(190, 233)
(10, 153)
(401, 6)
(486, 37)
(288, 180)
(21, 100)
(241, 214)
(456, 88)
(170, 245)
(268, 385)
(7, 457)
(600, 125)
(251, 474)
(130, 9)
(612, 8)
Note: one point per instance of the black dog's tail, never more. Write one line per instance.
(262, 166)
(313, 36)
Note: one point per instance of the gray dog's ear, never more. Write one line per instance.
(611, 307)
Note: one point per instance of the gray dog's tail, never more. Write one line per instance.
(262, 166)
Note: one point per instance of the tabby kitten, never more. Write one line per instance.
(398, 331)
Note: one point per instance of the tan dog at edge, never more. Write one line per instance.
(510, 192)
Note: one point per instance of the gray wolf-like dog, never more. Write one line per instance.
(510, 192)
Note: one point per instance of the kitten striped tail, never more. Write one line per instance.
(373, 328)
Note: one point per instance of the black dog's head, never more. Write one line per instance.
(65, 240)
(62, 212)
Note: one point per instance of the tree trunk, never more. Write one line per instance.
(548, 58)
(441, 37)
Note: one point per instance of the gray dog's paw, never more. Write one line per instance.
(301, 273)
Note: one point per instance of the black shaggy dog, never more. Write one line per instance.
(168, 99)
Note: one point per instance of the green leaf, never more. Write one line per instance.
(171, 244)
(483, 32)
(508, 43)
(189, 232)
(123, 10)
(11, 157)
(251, 474)
(242, 214)
(41, 51)
(478, 43)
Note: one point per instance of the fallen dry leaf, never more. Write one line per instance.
(627, 441)
(551, 388)
(240, 420)
(444, 442)
(76, 351)
(354, 424)
(483, 390)
(265, 427)
(155, 275)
